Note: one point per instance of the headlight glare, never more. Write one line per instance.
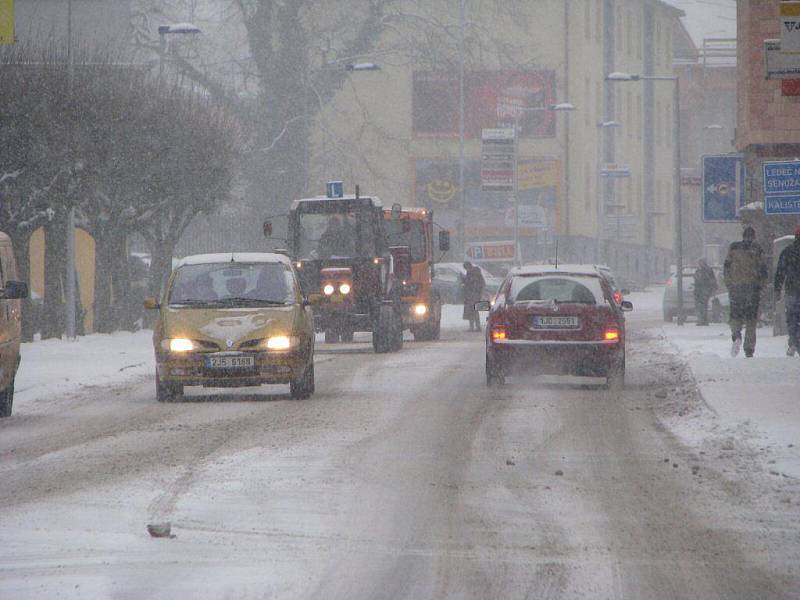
(281, 342)
(181, 345)
(344, 288)
(328, 289)
(420, 310)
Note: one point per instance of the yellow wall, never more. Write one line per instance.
(84, 263)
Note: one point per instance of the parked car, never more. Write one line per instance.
(232, 320)
(618, 291)
(447, 280)
(556, 320)
(11, 292)
(718, 303)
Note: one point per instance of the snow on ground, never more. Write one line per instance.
(754, 398)
(53, 368)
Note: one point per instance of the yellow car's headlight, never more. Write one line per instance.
(344, 288)
(281, 342)
(328, 289)
(181, 345)
(420, 310)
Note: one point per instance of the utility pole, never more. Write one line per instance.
(461, 194)
(70, 287)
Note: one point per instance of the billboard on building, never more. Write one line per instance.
(491, 99)
(490, 215)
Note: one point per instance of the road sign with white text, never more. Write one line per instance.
(780, 65)
(489, 251)
(790, 26)
(782, 187)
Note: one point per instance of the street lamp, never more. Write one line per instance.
(565, 107)
(165, 30)
(619, 76)
(601, 128)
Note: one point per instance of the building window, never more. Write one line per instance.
(630, 116)
(598, 22)
(619, 30)
(639, 33)
(668, 125)
(587, 89)
(657, 123)
(639, 122)
(588, 21)
(588, 192)
(600, 102)
(657, 44)
(628, 32)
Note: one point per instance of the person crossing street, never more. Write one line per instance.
(787, 276)
(745, 274)
(473, 283)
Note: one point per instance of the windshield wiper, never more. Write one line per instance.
(237, 299)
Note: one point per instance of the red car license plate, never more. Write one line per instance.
(554, 322)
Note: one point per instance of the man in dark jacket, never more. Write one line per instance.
(705, 284)
(473, 290)
(787, 276)
(745, 275)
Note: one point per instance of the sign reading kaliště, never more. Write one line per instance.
(6, 22)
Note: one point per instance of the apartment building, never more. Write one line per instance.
(518, 63)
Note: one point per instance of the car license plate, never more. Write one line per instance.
(556, 322)
(230, 361)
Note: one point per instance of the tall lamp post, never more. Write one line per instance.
(564, 107)
(601, 128)
(676, 147)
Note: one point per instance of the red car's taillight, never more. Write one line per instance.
(498, 333)
(611, 334)
(617, 296)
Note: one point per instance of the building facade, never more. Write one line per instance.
(768, 113)
(407, 114)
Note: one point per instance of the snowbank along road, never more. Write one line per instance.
(403, 477)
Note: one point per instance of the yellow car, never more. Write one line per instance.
(233, 320)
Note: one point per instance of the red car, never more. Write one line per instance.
(556, 320)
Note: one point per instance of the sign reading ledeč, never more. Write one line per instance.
(782, 187)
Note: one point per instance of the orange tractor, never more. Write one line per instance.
(410, 230)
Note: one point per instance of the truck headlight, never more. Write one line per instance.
(328, 289)
(420, 310)
(344, 289)
(181, 345)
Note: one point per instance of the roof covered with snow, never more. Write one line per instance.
(555, 270)
(236, 257)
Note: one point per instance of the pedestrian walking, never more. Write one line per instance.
(705, 284)
(745, 274)
(787, 277)
(473, 283)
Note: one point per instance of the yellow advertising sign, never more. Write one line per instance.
(7, 21)
(538, 174)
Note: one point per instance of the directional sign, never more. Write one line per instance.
(782, 187)
(782, 205)
(489, 251)
(498, 150)
(782, 177)
(723, 182)
(790, 27)
(780, 65)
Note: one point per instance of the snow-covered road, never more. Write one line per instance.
(403, 477)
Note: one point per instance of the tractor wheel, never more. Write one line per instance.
(382, 330)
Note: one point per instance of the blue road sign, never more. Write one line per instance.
(782, 187)
(782, 205)
(723, 182)
(782, 177)
(334, 189)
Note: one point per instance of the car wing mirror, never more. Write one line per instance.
(14, 290)
(626, 306)
(267, 229)
(483, 306)
(151, 304)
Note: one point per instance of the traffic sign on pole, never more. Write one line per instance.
(790, 27)
(723, 182)
(782, 187)
(497, 160)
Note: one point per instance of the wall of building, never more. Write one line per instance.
(580, 42)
